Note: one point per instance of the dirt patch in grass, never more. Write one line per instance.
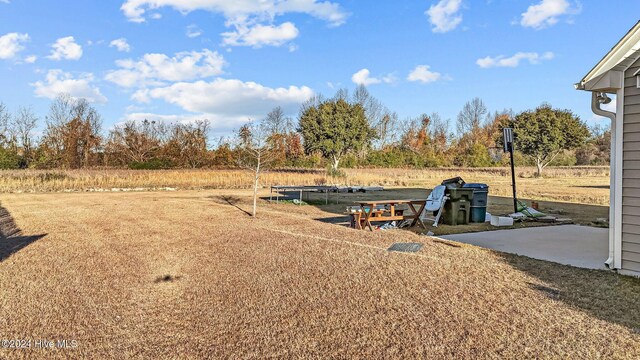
(285, 285)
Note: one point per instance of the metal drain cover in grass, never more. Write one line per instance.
(406, 247)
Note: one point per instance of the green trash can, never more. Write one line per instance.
(457, 210)
(479, 202)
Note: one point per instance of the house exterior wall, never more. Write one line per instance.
(631, 173)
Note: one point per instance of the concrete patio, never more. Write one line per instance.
(581, 246)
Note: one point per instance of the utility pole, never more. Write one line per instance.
(508, 147)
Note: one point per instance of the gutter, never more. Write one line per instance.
(597, 99)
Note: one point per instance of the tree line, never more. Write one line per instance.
(73, 139)
(357, 130)
(346, 130)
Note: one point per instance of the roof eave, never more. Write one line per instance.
(614, 56)
(609, 82)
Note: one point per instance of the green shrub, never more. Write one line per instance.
(309, 162)
(335, 173)
(153, 164)
(566, 158)
(475, 156)
(349, 161)
(9, 159)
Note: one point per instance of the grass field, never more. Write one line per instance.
(585, 185)
(188, 275)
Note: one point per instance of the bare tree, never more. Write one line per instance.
(312, 102)
(280, 131)
(380, 118)
(60, 113)
(136, 141)
(188, 143)
(425, 132)
(61, 109)
(277, 123)
(471, 117)
(83, 138)
(72, 138)
(387, 129)
(342, 94)
(254, 153)
(5, 118)
(438, 130)
(22, 125)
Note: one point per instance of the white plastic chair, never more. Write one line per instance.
(435, 204)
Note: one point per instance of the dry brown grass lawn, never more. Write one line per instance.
(188, 275)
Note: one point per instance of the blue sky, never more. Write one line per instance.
(229, 61)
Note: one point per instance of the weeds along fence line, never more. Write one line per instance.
(573, 184)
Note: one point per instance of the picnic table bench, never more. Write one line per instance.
(386, 210)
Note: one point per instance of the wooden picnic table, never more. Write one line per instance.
(368, 208)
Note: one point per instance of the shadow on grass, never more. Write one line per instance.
(335, 220)
(11, 238)
(232, 201)
(603, 294)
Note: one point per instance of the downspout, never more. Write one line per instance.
(597, 99)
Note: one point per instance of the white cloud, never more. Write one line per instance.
(260, 35)
(5, 1)
(389, 79)
(252, 21)
(193, 31)
(155, 69)
(422, 74)
(65, 49)
(58, 82)
(141, 96)
(135, 10)
(11, 44)
(30, 59)
(546, 13)
(363, 77)
(121, 45)
(513, 61)
(229, 97)
(444, 16)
